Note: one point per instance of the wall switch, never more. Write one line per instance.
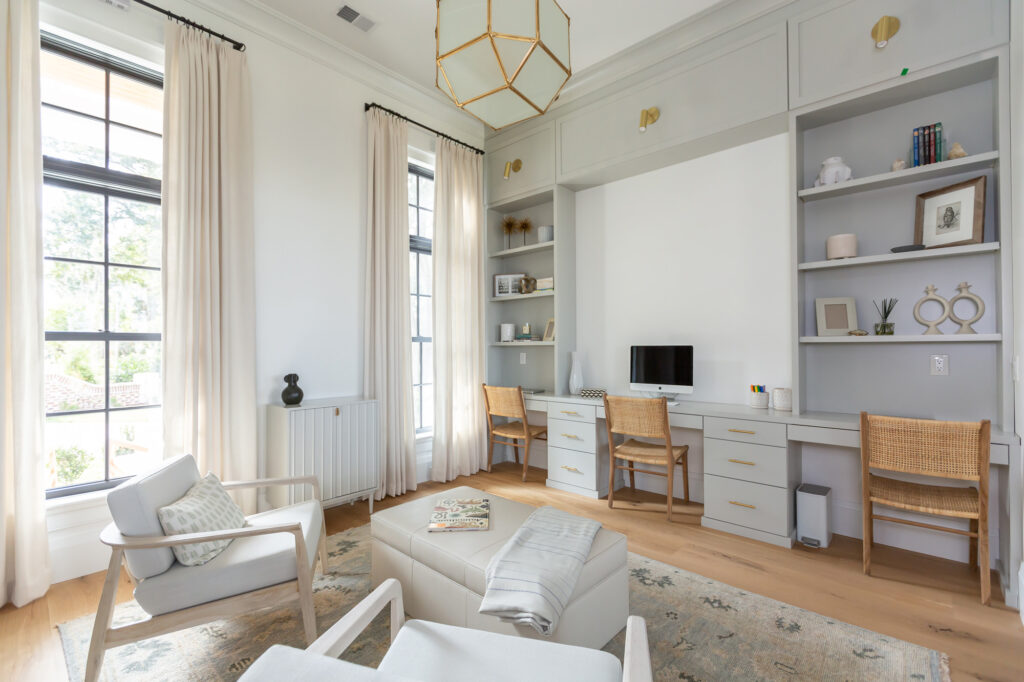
(522, 358)
(940, 366)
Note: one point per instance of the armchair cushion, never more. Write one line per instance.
(281, 663)
(134, 504)
(206, 506)
(247, 564)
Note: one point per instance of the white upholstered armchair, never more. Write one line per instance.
(270, 561)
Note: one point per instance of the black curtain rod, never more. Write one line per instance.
(177, 17)
(369, 106)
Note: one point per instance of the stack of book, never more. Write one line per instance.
(527, 337)
(928, 145)
(545, 283)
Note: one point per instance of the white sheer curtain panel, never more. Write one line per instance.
(459, 446)
(24, 548)
(387, 329)
(209, 402)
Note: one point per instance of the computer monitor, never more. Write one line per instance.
(661, 369)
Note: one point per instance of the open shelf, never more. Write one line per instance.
(518, 344)
(906, 338)
(523, 249)
(520, 297)
(945, 252)
(901, 177)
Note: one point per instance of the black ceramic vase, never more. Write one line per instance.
(292, 394)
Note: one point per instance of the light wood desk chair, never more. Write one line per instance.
(507, 401)
(643, 418)
(953, 450)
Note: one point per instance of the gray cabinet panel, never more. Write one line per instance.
(831, 49)
(537, 152)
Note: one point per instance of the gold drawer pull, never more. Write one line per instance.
(740, 461)
(571, 412)
(741, 504)
(571, 436)
(572, 469)
(751, 433)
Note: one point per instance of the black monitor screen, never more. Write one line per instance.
(665, 365)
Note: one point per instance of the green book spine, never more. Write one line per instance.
(938, 141)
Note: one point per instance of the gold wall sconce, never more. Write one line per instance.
(883, 30)
(513, 167)
(648, 116)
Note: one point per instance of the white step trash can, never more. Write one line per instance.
(814, 515)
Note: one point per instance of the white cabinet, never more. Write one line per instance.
(536, 155)
(577, 449)
(831, 50)
(335, 440)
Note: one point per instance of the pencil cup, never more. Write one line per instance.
(759, 400)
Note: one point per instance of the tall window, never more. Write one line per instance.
(102, 120)
(421, 234)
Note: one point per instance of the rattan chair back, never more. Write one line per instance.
(640, 417)
(505, 401)
(925, 446)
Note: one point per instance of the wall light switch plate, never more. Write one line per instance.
(940, 365)
(522, 358)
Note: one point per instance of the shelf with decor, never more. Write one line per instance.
(521, 297)
(521, 344)
(880, 259)
(520, 250)
(906, 338)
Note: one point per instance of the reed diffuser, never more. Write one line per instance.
(885, 327)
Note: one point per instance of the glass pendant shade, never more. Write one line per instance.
(503, 61)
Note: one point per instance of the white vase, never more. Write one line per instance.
(575, 374)
(833, 170)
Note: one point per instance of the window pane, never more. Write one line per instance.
(134, 373)
(72, 137)
(136, 103)
(415, 315)
(428, 362)
(73, 297)
(72, 223)
(426, 193)
(74, 447)
(135, 152)
(74, 376)
(412, 220)
(426, 224)
(134, 300)
(71, 84)
(412, 188)
(416, 363)
(426, 273)
(135, 236)
(428, 407)
(135, 441)
(426, 318)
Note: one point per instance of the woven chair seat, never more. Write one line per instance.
(930, 499)
(515, 430)
(648, 453)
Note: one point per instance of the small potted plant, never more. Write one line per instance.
(885, 327)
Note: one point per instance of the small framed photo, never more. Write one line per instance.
(951, 216)
(507, 285)
(836, 316)
(549, 330)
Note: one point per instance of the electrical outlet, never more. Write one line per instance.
(940, 365)
(522, 358)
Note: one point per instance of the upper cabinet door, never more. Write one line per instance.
(535, 153)
(831, 50)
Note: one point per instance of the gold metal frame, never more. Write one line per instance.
(491, 35)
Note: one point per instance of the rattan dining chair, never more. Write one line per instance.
(507, 401)
(952, 450)
(643, 418)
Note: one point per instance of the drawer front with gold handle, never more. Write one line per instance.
(744, 462)
(743, 504)
(745, 431)
(575, 468)
(762, 507)
(572, 412)
(572, 435)
(572, 469)
(747, 461)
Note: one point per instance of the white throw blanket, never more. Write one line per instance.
(531, 578)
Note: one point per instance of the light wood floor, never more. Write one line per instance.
(929, 601)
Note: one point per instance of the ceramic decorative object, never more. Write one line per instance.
(545, 233)
(527, 285)
(966, 295)
(932, 325)
(833, 170)
(575, 374)
(841, 246)
(292, 394)
(782, 399)
(508, 333)
(898, 165)
(956, 152)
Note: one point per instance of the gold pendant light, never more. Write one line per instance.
(503, 61)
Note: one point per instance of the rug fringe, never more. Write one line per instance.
(944, 667)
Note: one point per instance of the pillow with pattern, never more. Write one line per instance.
(205, 507)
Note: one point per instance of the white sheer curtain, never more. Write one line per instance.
(24, 550)
(387, 329)
(459, 446)
(209, 402)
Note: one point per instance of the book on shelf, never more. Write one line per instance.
(927, 146)
(451, 514)
(917, 146)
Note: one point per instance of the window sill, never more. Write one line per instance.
(426, 435)
(81, 500)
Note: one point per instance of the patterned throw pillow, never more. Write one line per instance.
(205, 507)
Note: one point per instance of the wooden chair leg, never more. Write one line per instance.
(515, 449)
(526, 458)
(686, 481)
(671, 475)
(632, 479)
(984, 570)
(104, 616)
(868, 533)
(490, 452)
(972, 552)
(611, 481)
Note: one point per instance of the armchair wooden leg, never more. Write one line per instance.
(104, 615)
(305, 580)
(322, 545)
(972, 552)
(868, 534)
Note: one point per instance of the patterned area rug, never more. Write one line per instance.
(699, 630)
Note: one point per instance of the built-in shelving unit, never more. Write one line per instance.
(520, 297)
(519, 344)
(519, 250)
(936, 338)
(884, 258)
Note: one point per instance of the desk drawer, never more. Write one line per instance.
(763, 507)
(536, 405)
(574, 468)
(745, 431)
(746, 461)
(572, 435)
(580, 413)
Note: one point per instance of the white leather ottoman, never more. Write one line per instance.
(442, 574)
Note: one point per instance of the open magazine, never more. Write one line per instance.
(451, 514)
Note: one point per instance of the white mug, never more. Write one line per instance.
(782, 399)
(508, 333)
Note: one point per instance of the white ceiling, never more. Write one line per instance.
(403, 39)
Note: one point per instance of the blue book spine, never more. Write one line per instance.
(917, 154)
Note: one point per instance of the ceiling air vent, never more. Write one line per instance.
(355, 18)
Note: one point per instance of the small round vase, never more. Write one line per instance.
(292, 394)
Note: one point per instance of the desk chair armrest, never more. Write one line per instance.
(636, 664)
(340, 635)
(270, 482)
(112, 536)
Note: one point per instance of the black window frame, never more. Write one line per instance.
(109, 184)
(423, 246)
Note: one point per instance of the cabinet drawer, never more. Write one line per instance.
(580, 413)
(746, 461)
(572, 435)
(753, 505)
(537, 153)
(745, 431)
(536, 405)
(574, 468)
(831, 50)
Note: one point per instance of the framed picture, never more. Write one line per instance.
(951, 216)
(549, 330)
(836, 316)
(507, 285)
